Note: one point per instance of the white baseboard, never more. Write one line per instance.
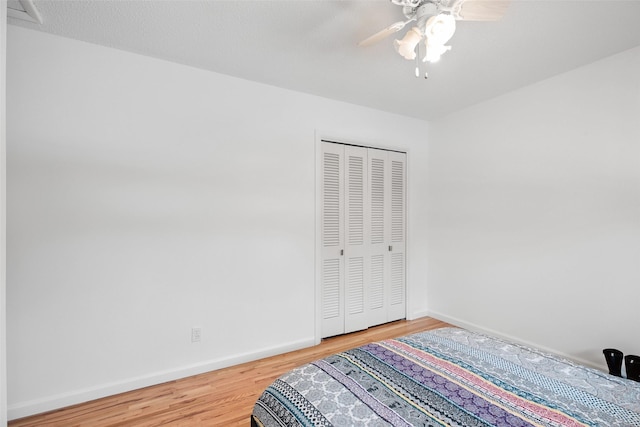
(37, 406)
(417, 314)
(477, 328)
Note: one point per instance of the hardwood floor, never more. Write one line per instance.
(219, 398)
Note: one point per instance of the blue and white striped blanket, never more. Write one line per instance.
(447, 377)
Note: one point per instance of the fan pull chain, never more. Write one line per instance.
(420, 64)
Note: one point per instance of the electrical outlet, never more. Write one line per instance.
(196, 334)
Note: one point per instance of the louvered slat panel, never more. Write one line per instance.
(331, 288)
(376, 290)
(331, 200)
(397, 201)
(377, 201)
(397, 279)
(355, 286)
(355, 207)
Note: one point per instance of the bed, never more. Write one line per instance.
(447, 377)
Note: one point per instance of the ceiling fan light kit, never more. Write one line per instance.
(407, 46)
(435, 24)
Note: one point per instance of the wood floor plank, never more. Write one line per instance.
(218, 398)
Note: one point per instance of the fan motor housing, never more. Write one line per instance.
(421, 12)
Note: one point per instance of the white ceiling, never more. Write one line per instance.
(310, 45)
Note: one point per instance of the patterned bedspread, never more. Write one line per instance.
(447, 377)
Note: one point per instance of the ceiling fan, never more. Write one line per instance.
(435, 24)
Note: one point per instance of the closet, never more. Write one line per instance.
(362, 237)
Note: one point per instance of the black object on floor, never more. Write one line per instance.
(632, 365)
(614, 361)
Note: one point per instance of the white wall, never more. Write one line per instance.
(534, 212)
(146, 197)
(3, 212)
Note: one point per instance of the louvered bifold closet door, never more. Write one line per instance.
(397, 244)
(356, 257)
(379, 235)
(332, 239)
(363, 227)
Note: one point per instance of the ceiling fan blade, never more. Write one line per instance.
(393, 28)
(481, 10)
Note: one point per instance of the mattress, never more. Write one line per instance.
(447, 377)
